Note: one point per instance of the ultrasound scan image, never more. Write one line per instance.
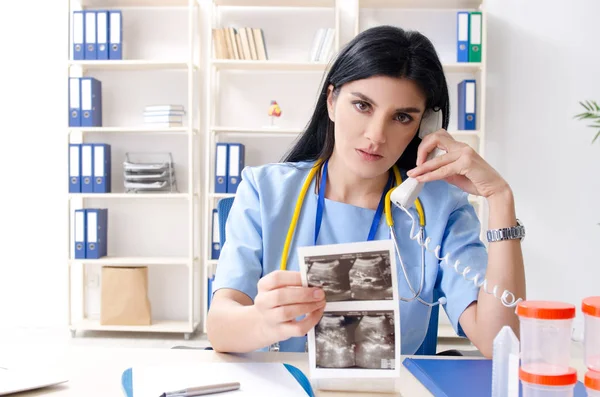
(332, 276)
(363, 340)
(371, 278)
(352, 276)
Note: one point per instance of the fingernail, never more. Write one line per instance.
(409, 173)
(318, 294)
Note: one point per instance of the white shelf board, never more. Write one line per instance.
(133, 196)
(157, 326)
(276, 3)
(421, 4)
(459, 133)
(135, 130)
(256, 131)
(221, 195)
(446, 331)
(134, 261)
(134, 3)
(462, 67)
(134, 64)
(281, 66)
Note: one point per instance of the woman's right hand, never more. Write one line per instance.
(281, 299)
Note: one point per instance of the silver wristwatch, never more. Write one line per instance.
(507, 233)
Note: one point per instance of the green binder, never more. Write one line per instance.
(475, 22)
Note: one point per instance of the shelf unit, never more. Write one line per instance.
(188, 64)
(477, 71)
(216, 67)
(216, 131)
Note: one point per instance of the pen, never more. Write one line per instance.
(203, 390)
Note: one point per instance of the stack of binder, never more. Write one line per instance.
(89, 168)
(468, 36)
(149, 172)
(97, 35)
(164, 115)
(229, 163)
(467, 106)
(91, 233)
(85, 102)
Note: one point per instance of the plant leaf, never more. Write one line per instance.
(596, 137)
(585, 106)
(596, 106)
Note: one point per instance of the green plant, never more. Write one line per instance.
(592, 113)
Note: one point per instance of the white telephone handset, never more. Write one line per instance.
(408, 191)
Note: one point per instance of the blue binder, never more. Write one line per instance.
(80, 231)
(102, 168)
(102, 30)
(74, 168)
(216, 239)
(221, 168)
(467, 102)
(460, 377)
(127, 380)
(78, 36)
(90, 35)
(115, 35)
(96, 235)
(74, 102)
(462, 36)
(236, 159)
(87, 168)
(91, 102)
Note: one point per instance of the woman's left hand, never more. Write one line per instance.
(461, 166)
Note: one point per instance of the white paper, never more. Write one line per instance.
(18, 380)
(358, 337)
(256, 379)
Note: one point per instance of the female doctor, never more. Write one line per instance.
(366, 120)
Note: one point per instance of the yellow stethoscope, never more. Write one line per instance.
(389, 220)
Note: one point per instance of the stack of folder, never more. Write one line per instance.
(230, 161)
(164, 115)
(91, 233)
(97, 35)
(149, 176)
(468, 36)
(89, 168)
(85, 102)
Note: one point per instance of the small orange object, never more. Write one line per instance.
(274, 109)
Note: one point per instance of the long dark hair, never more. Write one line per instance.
(384, 51)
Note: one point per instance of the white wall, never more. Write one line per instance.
(539, 65)
(542, 60)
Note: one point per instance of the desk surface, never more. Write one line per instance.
(96, 371)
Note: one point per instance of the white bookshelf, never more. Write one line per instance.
(125, 137)
(291, 66)
(473, 70)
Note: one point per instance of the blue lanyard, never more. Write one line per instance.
(321, 205)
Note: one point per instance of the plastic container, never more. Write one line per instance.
(505, 363)
(558, 385)
(592, 383)
(545, 330)
(591, 342)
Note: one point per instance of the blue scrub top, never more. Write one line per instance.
(260, 217)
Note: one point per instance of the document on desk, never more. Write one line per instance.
(256, 379)
(356, 344)
(24, 379)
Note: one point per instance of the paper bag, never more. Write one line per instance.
(124, 296)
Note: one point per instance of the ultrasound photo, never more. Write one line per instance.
(351, 276)
(363, 339)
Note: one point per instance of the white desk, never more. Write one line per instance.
(96, 371)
